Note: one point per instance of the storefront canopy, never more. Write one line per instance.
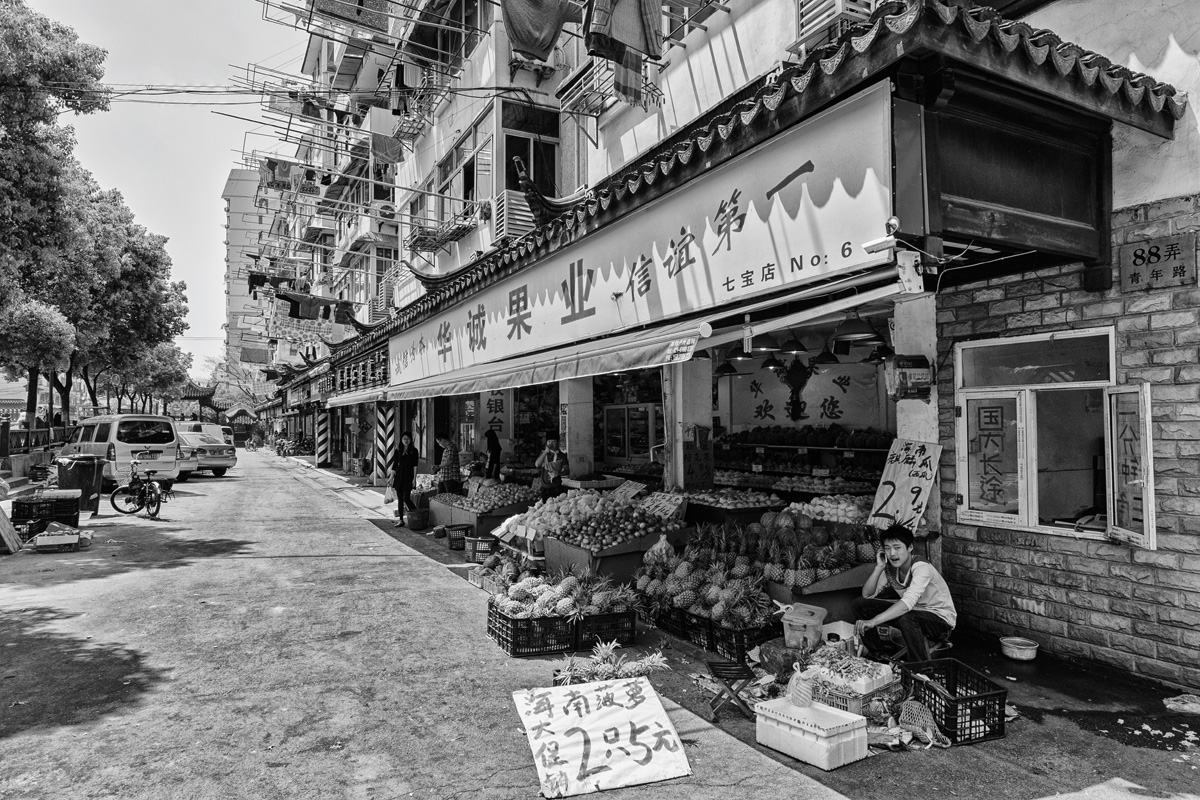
(638, 350)
(365, 396)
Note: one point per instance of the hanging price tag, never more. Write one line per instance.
(801, 451)
(725, 447)
(906, 484)
(848, 454)
(820, 472)
(760, 450)
(756, 467)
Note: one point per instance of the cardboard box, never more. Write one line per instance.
(618, 563)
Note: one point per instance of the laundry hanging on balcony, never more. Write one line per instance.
(534, 26)
(613, 26)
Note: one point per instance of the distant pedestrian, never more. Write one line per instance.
(404, 471)
(448, 470)
(492, 470)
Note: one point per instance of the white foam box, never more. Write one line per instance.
(820, 735)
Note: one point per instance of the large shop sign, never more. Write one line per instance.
(789, 213)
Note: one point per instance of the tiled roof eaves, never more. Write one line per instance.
(796, 93)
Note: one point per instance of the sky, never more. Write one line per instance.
(171, 162)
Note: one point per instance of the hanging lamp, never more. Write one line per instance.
(793, 345)
(826, 357)
(764, 343)
(771, 362)
(853, 329)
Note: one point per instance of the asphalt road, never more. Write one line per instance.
(262, 639)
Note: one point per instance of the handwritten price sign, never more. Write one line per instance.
(906, 484)
(596, 736)
(667, 506)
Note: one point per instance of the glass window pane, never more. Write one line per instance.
(1059, 360)
(515, 147)
(483, 171)
(1070, 454)
(992, 483)
(1129, 458)
(545, 158)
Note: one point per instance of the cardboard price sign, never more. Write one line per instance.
(906, 484)
(667, 506)
(596, 736)
(628, 490)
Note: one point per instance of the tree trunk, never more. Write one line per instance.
(31, 393)
(64, 392)
(90, 384)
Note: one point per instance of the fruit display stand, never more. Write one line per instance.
(534, 636)
(618, 562)
(604, 483)
(488, 521)
(441, 513)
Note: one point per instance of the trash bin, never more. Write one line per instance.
(83, 472)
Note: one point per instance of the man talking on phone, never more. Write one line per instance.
(552, 466)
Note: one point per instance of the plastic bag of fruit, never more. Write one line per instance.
(660, 552)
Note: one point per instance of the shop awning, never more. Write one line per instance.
(638, 350)
(353, 398)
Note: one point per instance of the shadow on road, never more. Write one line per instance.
(53, 679)
(118, 548)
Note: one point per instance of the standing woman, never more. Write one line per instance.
(404, 469)
(493, 454)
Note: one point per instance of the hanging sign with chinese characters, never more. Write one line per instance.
(792, 212)
(1158, 263)
(596, 736)
(906, 484)
(497, 411)
(842, 394)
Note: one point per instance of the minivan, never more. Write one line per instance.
(116, 437)
(221, 432)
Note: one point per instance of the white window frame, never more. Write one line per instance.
(1026, 518)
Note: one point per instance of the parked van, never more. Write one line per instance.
(116, 437)
(222, 432)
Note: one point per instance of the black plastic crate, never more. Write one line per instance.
(735, 643)
(478, 548)
(619, 625)
(966, 705)
(536, 636)
(699, 631)
(456, 536)
(64, 510)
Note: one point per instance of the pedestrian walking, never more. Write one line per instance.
(404, 473)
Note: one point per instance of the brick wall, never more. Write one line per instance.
(1131, 608)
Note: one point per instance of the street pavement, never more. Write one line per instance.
(262, 639)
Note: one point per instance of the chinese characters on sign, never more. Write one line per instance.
(1169, 261)
(906, 484)
(990, 427)
(595, 736)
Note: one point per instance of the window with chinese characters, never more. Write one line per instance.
(1047, 440)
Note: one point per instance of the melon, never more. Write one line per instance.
(768, 519)
(784, 519)
(756, 529)
(820, 537)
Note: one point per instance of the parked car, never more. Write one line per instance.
(116, 437)
(212, 454)
(222, 432)
(189, 462)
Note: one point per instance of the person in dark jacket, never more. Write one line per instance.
(404, 470)
(492, 470)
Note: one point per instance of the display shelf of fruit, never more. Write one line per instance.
(568, 596)
(648, 469)
(733, 478)
(611, 525)
(735, 499)
(556, 513)
(845, 508)
(770, 462)
(493, 495)
(834, 485)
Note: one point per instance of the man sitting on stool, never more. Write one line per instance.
(906, 593)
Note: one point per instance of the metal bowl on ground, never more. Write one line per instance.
(1019, 648)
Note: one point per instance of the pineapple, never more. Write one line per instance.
(712, 593)
(565, 607)
(806, 574)
(698, 610)
(865, 550)
(741, 566)
(772, 569)
(788, 571)
(719, 610)
(826, 563)
(643, 582)
(567, 585)
(654, 587)
(685, 599)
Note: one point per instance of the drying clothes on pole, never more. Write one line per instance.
(612, 26)
(534, 26)
(627, 79)
(304, 306)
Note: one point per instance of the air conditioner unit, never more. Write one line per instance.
(383, 210)
(512, 216)
(819, 22)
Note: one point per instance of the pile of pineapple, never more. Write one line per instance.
(606, 665)
(566, 596)
(716, 578)
(508, 567)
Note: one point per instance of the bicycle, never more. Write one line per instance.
(140, 492)
(251, 445)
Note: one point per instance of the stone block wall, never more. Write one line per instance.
(1135, 609)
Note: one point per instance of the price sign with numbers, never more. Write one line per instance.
(590, 737)
(665, 505)
(756, 467)
(628, 490)
(906, 484)
(760, 450)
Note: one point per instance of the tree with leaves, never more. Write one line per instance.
(35, 338)
(45, 71)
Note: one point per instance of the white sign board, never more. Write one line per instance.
(792, 212)
(595, 736)
(906, 484)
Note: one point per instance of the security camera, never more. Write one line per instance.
(880, 244)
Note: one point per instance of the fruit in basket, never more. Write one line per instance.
(612, 525)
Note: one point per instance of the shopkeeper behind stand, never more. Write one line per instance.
(552, 466)
(906, 593)
(448, 471)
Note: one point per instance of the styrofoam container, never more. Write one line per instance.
(859, 685)
(819, 735)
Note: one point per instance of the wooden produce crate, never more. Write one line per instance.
(618, 563)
